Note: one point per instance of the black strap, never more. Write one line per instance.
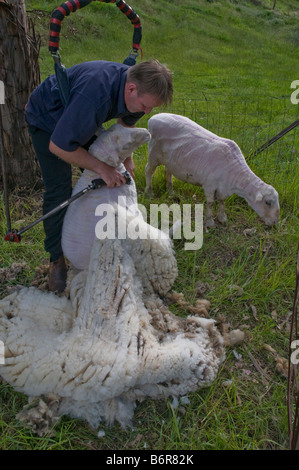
(62, 79)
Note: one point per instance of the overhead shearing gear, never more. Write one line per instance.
(64, 10)
(137, 35)
(73, 5)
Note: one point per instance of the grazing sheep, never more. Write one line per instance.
(111, 343)
(196, 155)
(111, 146)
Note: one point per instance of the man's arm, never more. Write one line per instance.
(81, 158)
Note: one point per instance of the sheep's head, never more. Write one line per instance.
(115, 144)
(266, 205)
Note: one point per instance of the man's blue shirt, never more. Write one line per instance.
(96, 96)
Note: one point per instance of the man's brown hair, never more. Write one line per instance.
(152, 78)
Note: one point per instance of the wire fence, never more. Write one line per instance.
(249, 122)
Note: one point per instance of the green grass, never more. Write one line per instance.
(233, 63)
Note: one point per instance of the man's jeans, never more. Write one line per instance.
(57, 177)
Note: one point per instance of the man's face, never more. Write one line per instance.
(139, 103)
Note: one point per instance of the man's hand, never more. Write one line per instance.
(129, 165)
(111, 176)
(83, 159)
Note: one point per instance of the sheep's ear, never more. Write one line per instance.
(258, 197)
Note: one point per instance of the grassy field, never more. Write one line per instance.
(233, 63)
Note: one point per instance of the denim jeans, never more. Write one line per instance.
(57, 177)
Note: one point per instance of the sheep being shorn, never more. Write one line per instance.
(195, 155)
(112, 146)
(112, 342)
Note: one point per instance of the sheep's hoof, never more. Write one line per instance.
(222, 218)
(210, 223)
(149, 193)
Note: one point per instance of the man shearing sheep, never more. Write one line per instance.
(99, 91)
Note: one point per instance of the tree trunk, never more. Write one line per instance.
(19, 75)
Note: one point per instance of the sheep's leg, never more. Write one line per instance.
(210, 199)
(221, 215)
(168, 176)
(149, 171)
(152, 163)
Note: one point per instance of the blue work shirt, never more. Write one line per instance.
(96, 96)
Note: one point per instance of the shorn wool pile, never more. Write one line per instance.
(110, 341)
